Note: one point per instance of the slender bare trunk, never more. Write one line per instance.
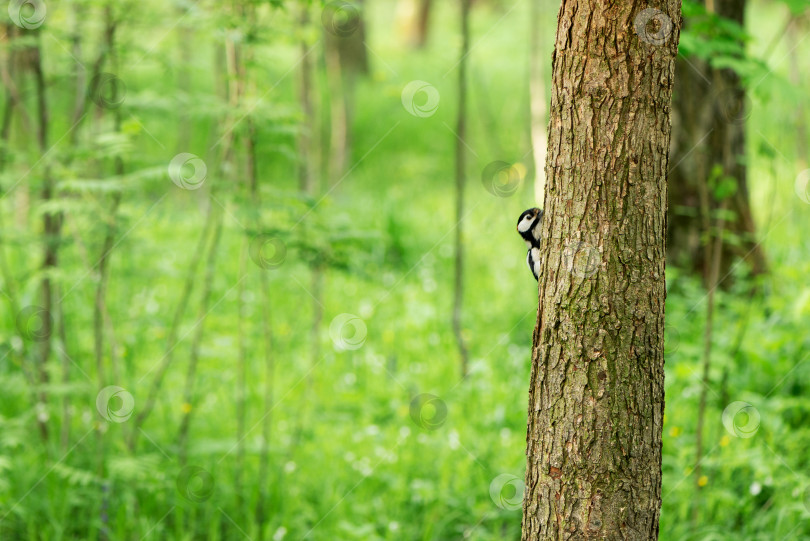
(339, 122)
(336, 74)
(51, 226)
(346, 60)
(184, 44)
(100, 305)
(8, 73)
(795, 32)
(316, 292)
(189, 396)
(714, 257)
(423, 22)
(11, 290)
(61, 332)
(461, 174)
(6, 65)
(78, 16)
(306, 163)
(267, 421)
(537, 103)
(172, 336)
(241, 381)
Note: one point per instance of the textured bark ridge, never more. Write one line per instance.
(596, 399)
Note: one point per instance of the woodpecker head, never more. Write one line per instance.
(528, 226)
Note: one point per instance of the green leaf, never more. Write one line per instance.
(725, 188)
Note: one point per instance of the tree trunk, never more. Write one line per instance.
(796, 31)
(52, 225)
(710, 110)
(422, 23)
(461, 174)
(307, 182)
(346, 60)
(596, 399)
(537, 102)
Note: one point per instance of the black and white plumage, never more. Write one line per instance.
(529, 227)
(533, 261)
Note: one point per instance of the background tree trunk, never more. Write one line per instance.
(307, 182)
(537, 102)
(423, 22)
(346, 59)
(52, 226)
(596, 399)
(461, 174)
(710, 112)
(796, 30)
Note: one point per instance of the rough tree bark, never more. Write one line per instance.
(709, 116)
(596, 398)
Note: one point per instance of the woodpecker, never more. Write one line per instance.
(529, 229)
